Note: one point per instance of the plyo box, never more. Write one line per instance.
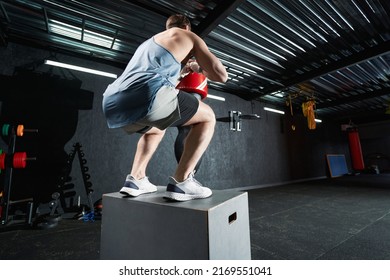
(149, 227)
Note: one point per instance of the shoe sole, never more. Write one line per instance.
(185, 197)
(133, 192)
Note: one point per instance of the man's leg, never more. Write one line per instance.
(146, 147)
(197, 141)
(137, 182)
(182, 185)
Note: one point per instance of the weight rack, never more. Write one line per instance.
(62, 186)
(10, 161)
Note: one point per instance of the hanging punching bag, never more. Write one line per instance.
(355, 150)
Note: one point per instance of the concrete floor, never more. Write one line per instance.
(344, 218)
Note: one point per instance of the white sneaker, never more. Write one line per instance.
(134, 187)
(186, 190)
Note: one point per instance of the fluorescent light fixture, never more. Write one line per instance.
(78, 68)
(215, 97)
(318, 120)
(274, 110)
(277, 93)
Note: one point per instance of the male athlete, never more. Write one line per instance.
(144, 100)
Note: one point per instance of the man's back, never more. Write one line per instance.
(183, 44)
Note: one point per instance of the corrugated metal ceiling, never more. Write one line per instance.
(276, 51)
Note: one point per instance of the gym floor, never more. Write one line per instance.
(344, 218)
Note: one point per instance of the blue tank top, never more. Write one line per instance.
(130, 97)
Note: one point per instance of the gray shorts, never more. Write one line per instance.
(170, 109)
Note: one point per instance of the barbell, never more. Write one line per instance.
(6, 130)
(16, 160)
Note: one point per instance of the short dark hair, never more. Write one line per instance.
(177, 20)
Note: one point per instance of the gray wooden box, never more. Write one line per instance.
(150, 227)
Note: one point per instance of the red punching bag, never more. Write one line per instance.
(355, 150)
(194, 82)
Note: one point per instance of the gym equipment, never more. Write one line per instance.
(8, 162)
(235, 117)
(355, 149)
(7, 130)
(337, 165)
(308, 109)
(16, 160)
(64, 186)
(234, 120)
(51, 219)
(194, 83)
(218, 226)
(20, 130)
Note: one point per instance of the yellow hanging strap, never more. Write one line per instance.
(308, 112)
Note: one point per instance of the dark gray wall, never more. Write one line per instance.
(375, 142)
(266, 152)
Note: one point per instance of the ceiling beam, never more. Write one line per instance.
(367, 54)
(355, 98)
(150, 6)
(216, 16)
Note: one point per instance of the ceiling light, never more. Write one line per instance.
(277, 93)
(82, 34)
(274, 110)
(318, 120)
(82, 69)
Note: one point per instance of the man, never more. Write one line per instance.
(144, 100)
